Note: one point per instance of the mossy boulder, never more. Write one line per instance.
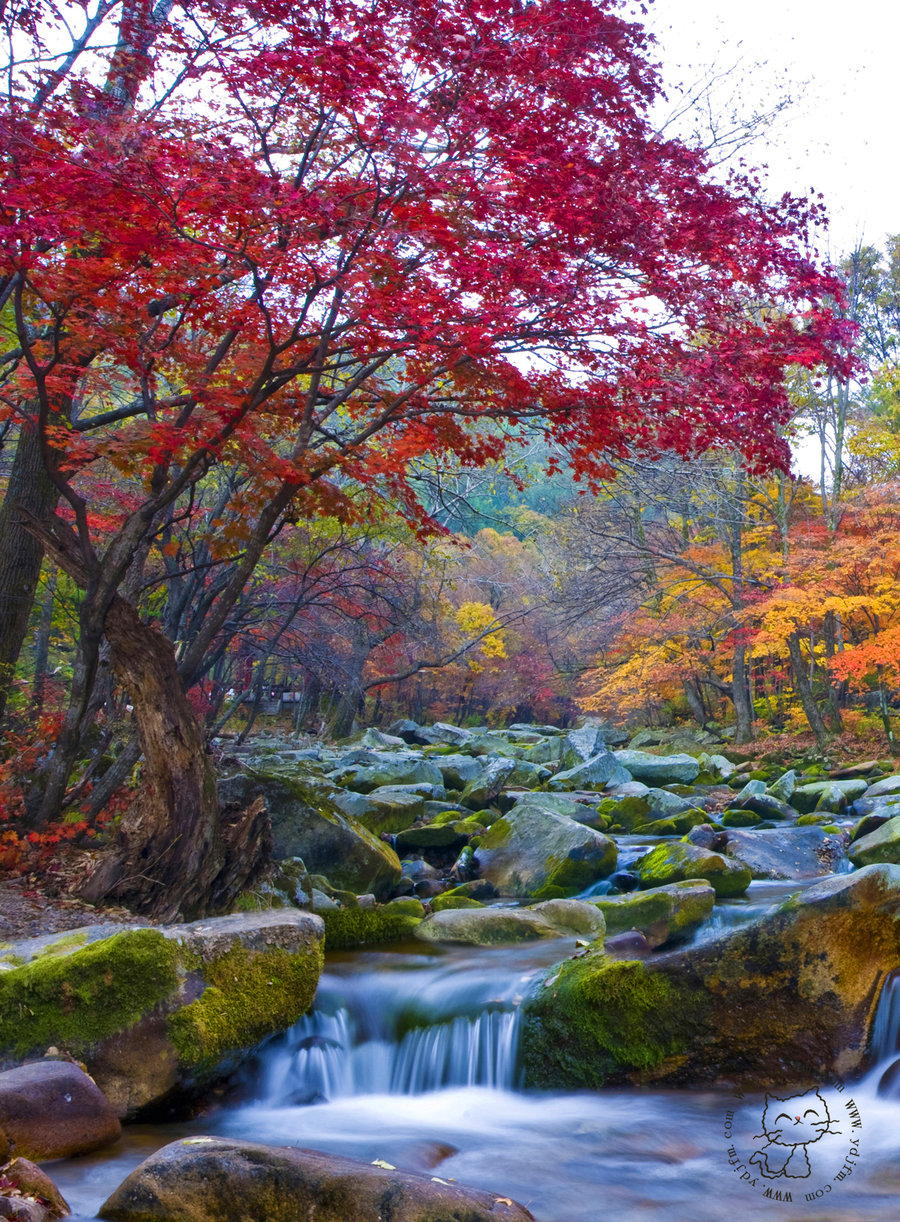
(790, 999)
(835, 795)
(213, 1179)
(157, 1015)
(661, 914)
(739, 818)
(346, 928)
(672, 825)
(441, 903)
(484, 789)
(659, 769)
(494, 926)
(532, 852)
(386, 809)
(307, 823)
(882, 844)
(673, 863)
(594, 774)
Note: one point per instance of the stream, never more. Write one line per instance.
(409, 1056)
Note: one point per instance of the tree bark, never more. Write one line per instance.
(804, 690)
(740, 694)
(21, 553)
(172, 852)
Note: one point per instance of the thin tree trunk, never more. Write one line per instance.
(21, 554)
(42, 644)
(804, 690)
(740, 695)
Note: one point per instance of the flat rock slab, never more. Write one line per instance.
(208, 1179)
(795, 852)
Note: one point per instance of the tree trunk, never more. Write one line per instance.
(171, 854)
(695, 702)
(804, 690)
(42, 645)
(21, 554)
(740, 694)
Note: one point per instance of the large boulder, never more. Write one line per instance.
(596, 773)
(307, 823)
(794, 852)
(212, 1179)
(662, 914)
(830, 795)
(673, 863)
(493, 926)
(156, 1015)
(659, 769)
(388, 770)
(52, 1109)
(886, 785)
(581, 745)
(485, 788)
(387, 809)
(790, 999)
(533, 852)
(458, 770)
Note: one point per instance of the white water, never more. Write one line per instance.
(409, 1057)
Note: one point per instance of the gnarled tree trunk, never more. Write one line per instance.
(172, 851)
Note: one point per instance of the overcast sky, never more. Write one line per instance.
(841, 62)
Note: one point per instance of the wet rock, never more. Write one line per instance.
(494, 926)
(35, 1183)
(485, 788)
(458, 770)
(390, 772)
(581, 745)
(789, 999)
(307, 823)
(766, 805)
(886, 785)
(52, 1109)
(673, 863)
(797, 852)
(211, 1179)
(886, 805)
(595, 773)
(158, 1014)
(883, 844)
(532, 852)
(659, 769)
(836, 795)
(672, 825)
(387, 809)
(628, 945)
(444, 836)
(784, 787)
(661, 914)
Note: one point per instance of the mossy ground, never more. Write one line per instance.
(75, 1000)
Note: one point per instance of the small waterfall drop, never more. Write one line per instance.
(400, 1033)
(886, 1028)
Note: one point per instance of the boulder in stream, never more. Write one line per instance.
(661, 914)
(532, 852)
(52, 1109)
(789, 999)
(673, 863)
(212, 1179)
(483, 926)
(157, 1015)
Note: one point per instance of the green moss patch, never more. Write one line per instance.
(249, 994)
(349, 927)
(78, 999)
(601, 1020)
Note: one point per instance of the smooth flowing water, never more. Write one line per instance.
(409, 1056)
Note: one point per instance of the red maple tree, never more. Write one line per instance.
(311, 243)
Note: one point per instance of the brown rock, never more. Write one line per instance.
(209, 1179)
(52, 1109)
(33, 1182)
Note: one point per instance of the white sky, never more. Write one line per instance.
(842, 134)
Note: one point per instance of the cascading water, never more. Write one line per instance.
(416, 1031)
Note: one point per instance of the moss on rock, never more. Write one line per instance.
(349, 927)
(75, 1000)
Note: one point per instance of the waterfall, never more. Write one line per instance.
(402, 1033)
(325, 1057)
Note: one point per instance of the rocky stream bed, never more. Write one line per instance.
(530, 937)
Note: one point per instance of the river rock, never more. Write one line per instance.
(796, 852)
(386, 809)
(458, 770)
(40, 1194)
(399, 771)
(156, 1015)
(886, 805)
(596, 773)
(307, 823)
(817, 794)
(213, 1179)
(783, 788)
(673, 863)
(494, 926)
(886, 785)
(789, 999)
(766, 805)
(661, 914)
(484, 789)
(533, 852)
(52, 1109)
(659, 769)
(883, 844)
(581, 745)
